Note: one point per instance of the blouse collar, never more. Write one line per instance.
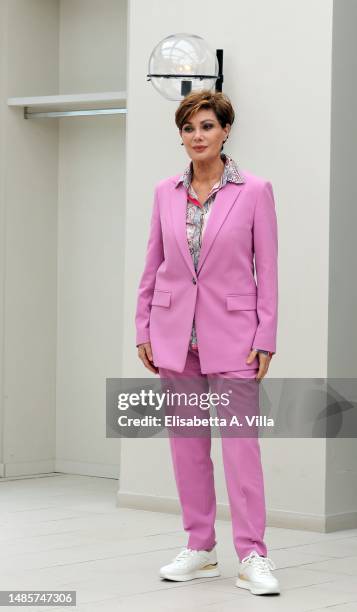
(230, 173)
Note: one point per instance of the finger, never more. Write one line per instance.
(260, 374)
(261, 371)
(251, 356)
(144, 359)
(149, 354)
(148, 365)
(263, 367)
(146, 362)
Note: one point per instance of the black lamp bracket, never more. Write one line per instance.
(219, 79)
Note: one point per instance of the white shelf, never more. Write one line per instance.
(62, 100)
(62, 104)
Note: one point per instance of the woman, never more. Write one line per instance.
(201, 314)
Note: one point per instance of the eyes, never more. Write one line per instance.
(206, 126)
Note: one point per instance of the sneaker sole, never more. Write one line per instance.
(211, 572)
(245, 584)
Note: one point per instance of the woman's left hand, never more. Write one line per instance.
(264, 361)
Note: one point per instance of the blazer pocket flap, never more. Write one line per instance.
(161, 298)
(241, 302)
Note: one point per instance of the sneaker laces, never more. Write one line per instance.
(184, 554)
(262, 564)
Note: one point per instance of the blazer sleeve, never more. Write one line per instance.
(154, 257)
(265, 238)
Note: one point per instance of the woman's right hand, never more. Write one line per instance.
(145, 354)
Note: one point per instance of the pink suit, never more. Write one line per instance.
(233, 312)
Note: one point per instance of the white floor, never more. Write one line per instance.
(65, 532)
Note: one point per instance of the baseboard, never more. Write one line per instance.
(102, 470)
(337, 522)
(27, 468)
(275, 518)
(50, 466)
(28, 477)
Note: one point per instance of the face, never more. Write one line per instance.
(203, 135)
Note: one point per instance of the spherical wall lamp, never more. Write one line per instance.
(181, 63)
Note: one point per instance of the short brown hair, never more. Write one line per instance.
(205, 98)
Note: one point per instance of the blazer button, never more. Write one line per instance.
(194, 280)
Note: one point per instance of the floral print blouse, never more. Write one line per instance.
(197, 214)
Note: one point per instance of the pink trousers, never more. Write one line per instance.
(193, 469)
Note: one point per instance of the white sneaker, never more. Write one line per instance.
(254, 574)
(190, 564)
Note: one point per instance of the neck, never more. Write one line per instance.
(207, 171)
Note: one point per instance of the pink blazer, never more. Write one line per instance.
(234, 308)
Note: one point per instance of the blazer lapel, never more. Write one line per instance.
(224, 200)
(178, 217)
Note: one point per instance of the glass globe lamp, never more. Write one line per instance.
(181, 63)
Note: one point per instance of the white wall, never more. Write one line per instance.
(91, 237)
(3, 92)
(62, 202)
(29, 240)
(341, 459)
(92, 46)
(277, 72)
